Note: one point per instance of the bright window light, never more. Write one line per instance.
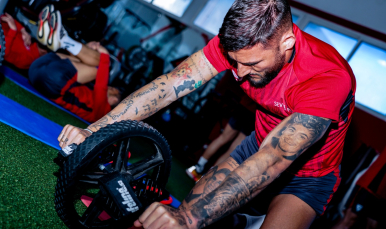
(369, 66)
(344, 44)
(176, 7)
(295, 18)
(212, 15)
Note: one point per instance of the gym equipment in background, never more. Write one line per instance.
(123, 167)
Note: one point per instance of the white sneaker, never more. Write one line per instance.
(43, 24)
(57, 32)
(192, 173)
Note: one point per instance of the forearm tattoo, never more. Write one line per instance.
(298, 133)
(99, 124)
(184, 72)
(230, 195)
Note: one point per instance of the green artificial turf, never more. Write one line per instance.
(27, 183)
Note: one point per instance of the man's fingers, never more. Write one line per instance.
(162, 220)
(137, 223)
(147, 212)
(151, 214)
(63, 137)
(77, 140)
(154, 216)
(64, 130)
(72, 134)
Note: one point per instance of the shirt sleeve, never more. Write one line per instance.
(322, 96)
(100, 87)
(216, 55)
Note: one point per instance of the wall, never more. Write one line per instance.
(369, 13)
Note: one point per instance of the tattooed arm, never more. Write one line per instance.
(182, 218)
(280, 148)
(187, 77)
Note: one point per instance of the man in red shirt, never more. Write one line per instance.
(305, 92)
(19, 50)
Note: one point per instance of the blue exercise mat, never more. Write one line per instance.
(23, 82)
(29, 122)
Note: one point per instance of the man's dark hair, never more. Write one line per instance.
(249, 22)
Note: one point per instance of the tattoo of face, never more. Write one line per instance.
(300, 132)
(187, 85)
(229, 196)
(211, 180)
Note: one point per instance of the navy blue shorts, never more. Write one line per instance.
(49, 74)
(315, 191)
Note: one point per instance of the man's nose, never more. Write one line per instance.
(243, 70)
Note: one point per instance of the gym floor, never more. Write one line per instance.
(27, 182)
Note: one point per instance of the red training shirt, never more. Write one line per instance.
(319, 82)
(89, 104)
(15, 51)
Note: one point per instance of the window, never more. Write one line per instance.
(176, 7)
(212, 15)
(344, 44)
(295, 18)
(369, 66)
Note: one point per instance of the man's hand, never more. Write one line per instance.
(10, 21)
(72, 134)
(158, 215)
(26, 37)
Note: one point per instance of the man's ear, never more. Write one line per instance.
(288, 40)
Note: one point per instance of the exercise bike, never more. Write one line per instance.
(122, 167)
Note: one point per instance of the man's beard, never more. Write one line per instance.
(268, 75)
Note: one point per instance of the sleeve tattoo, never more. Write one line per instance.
(295, 135)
